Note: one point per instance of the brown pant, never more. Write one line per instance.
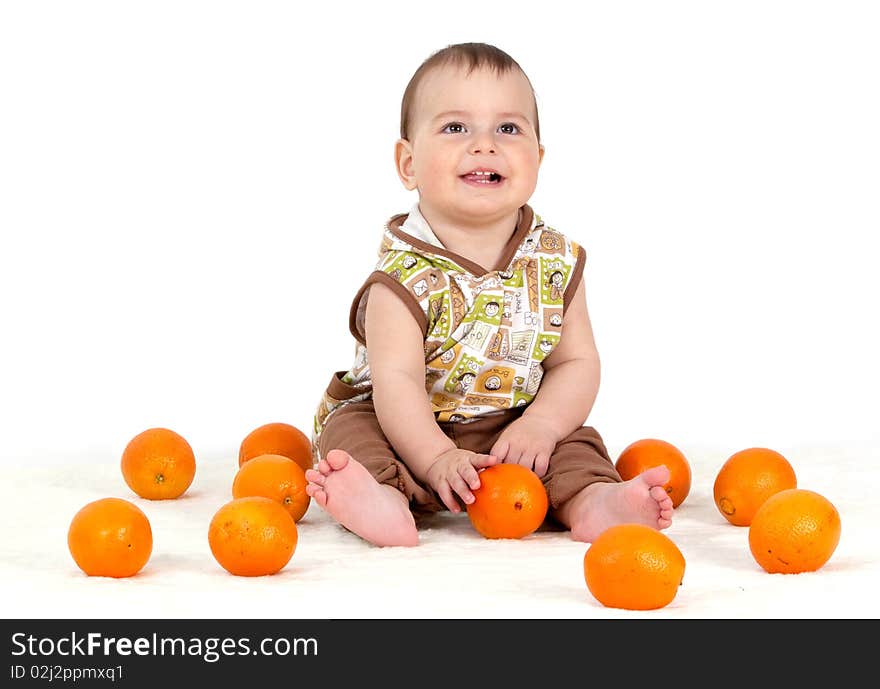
(578, 460)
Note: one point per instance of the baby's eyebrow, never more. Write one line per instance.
(464, 113)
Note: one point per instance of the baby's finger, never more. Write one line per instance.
(500, 448)
(471, 476)
(514, 456)
(541, 464)
(483, 461)
(445, 493)
(460, 487)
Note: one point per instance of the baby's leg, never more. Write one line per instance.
(375, 511)
(600, 505)
(588, 496)
(360, 481)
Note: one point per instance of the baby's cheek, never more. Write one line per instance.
(429, 188)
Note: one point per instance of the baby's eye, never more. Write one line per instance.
(507, 127)
(454, 128)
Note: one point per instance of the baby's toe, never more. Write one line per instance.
(313, 476)
(337, 459)
(660, 495)
(317, 494)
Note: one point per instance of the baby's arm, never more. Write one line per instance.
(565, 397)
(396, 354)
(571, 373)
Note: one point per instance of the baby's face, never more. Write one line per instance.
(465, 123)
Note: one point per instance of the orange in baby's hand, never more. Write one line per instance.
(252, 537)
(277, 439)
(275, 477)
(110, 537)
(643, 454)
(634, 567)
(511, 502)
(747, 479)
(795, 530)
(158, 464)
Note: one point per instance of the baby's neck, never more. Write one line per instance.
(482, 242)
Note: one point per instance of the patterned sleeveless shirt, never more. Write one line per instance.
(486, 331)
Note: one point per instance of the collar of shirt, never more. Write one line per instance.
(416, 226)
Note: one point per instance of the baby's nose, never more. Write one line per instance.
(479, 148)
(483, 143)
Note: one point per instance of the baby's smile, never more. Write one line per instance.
(482, 177)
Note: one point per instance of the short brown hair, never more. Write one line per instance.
(470, 55)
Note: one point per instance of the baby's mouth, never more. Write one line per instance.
(483, 178)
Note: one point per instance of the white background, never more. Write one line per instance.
(192, 192)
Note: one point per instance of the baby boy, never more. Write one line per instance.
(473, 341)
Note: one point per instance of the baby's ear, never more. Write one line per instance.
(403, 161)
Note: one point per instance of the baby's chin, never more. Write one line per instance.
(467, 206)
(475, 216)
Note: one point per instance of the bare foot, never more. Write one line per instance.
(641, 500)
(375, 512)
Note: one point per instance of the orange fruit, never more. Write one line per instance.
(275, 477)
(634, 567)
(158, 464)
(747, 479)
(795, 530)
(110, 537)
(511, 502)
(643, 454)
(252, 536)
(277, 439)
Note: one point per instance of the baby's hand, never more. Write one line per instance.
(526, 441)
(456, 470)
